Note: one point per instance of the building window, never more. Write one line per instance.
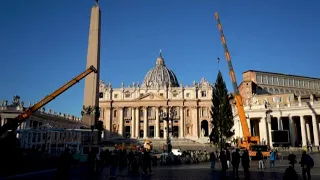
(316, 85)
(306, 84)
(188, 95)
(275, 81)
(151, 112)
(161, 94)
(296, 83)
(281, 91)
(115, 113)
(100, 95)
(281, 83)
(175, 94)
(115, 96)
(203, 93)
(286, 82)
(141, 94)
(259, 79)
(126, 112)
(276, 91)
(312, 85)
(141, 113)
(265, 79)
(127, 95)
(188, 112)
(270, 80)
(290, 82)
(204, 112)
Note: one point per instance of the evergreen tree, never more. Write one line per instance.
(221, 113)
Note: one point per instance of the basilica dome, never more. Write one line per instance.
(160, 76)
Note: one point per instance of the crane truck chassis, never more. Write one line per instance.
(251, 143)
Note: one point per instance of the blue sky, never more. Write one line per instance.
(43, 44)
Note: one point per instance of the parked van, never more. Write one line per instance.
(176, 152)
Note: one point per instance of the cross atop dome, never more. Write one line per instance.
(160, 60)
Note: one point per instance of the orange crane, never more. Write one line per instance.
(248, 141)
(14, 123)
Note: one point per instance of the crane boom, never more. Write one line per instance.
(237, 96)
(14, 123)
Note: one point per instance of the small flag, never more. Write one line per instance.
(218, 60)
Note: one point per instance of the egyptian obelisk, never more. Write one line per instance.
(91, 87)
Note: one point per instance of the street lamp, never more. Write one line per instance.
(168, 117)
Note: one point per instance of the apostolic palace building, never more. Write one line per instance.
(272, 101)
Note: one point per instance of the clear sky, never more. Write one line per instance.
(43, 43)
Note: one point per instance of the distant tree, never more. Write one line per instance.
(221, 113)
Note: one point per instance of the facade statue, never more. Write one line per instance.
(43, 109)
(311, 98)
(122, 85)
(299, 99)
(202, 132)
(22, 104)
(5, 103)
(288, 100)
(247, 102)
(16, 101)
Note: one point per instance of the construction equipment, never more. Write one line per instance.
(10, 153)
(247, 140)
(14, 123)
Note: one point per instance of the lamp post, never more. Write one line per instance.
(168, 118)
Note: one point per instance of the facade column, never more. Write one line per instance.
(181, 128)
(137, 126)
(279, 123)
(308, 130)
(145, 122)
(121, 122)
(315, 130)
(292, 131)
(195, 122)
(108, 121)
(165, 125)
(263, 131)
(303, 131)
(268, 118)
(133, 123)
(157, 135)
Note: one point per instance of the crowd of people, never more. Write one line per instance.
(226, 157)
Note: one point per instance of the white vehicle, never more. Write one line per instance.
(176, 152)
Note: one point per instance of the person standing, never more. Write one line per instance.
(228, 156)
(245, 161)
(272, 158)
(292, 159)
(212, 159)
(235, 163)
(260, 160)
(306, 163)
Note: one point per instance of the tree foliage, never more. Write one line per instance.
(221, 113)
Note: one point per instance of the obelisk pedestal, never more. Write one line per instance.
(90, 112)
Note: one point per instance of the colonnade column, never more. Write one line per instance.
(263, 131)
(133, 123)
(315, 130)
(157, 135)
(303, 131)
(292, 132)
(145, 122)
(181, 122)
(121, 122)
(137, 123)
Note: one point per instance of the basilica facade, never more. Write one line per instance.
(143, 110)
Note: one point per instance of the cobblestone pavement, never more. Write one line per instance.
(186, 172)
